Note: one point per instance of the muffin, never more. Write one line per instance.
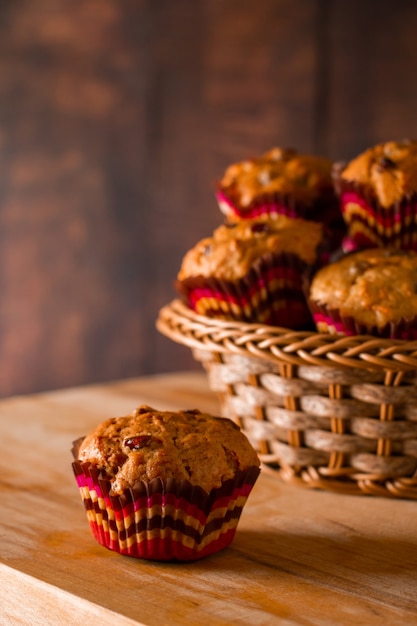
(378, 196)
(253, 271)
(281, 181)
(369, 292)
(165, 485)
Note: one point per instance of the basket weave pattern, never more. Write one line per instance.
(324, 411)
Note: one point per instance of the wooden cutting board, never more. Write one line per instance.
(299, 556)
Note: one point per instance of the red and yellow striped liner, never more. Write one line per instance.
(331, 321)
(323, 208)
(163, 520)
(264, 205)
(271, 293)
(370, 224)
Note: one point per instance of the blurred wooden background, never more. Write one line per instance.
(116, 119)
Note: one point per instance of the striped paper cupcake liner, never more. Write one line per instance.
(163, 519)
(323, 209)
(271, 293)
(328, 320)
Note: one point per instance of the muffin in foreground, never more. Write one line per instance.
(165, 485)
(253, 271)
(370, 292)
(378, 196)
(281, 181)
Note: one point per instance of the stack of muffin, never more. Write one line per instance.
(306, 243)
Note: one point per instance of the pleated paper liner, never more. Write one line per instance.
(324, 208)
(272, 292)
(164, 520)
(331, 320)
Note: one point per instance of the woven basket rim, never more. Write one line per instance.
(282, 345)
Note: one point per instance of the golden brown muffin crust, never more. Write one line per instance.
(388, 169)
(280, 170)
(184, 445)
(375, 286)
(234, 248)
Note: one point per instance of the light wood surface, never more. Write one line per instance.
(299, 556)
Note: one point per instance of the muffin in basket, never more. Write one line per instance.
(253, 271)
(281, 181)
(369, 292)
(378, 196)
(165, 485)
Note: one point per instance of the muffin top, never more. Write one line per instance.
(375, 286)
(283, 171)
(184, 445)
(388, 171)
(234, 248)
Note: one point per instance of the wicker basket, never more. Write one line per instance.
(323, 411)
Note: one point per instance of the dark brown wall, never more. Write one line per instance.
(116, 119)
